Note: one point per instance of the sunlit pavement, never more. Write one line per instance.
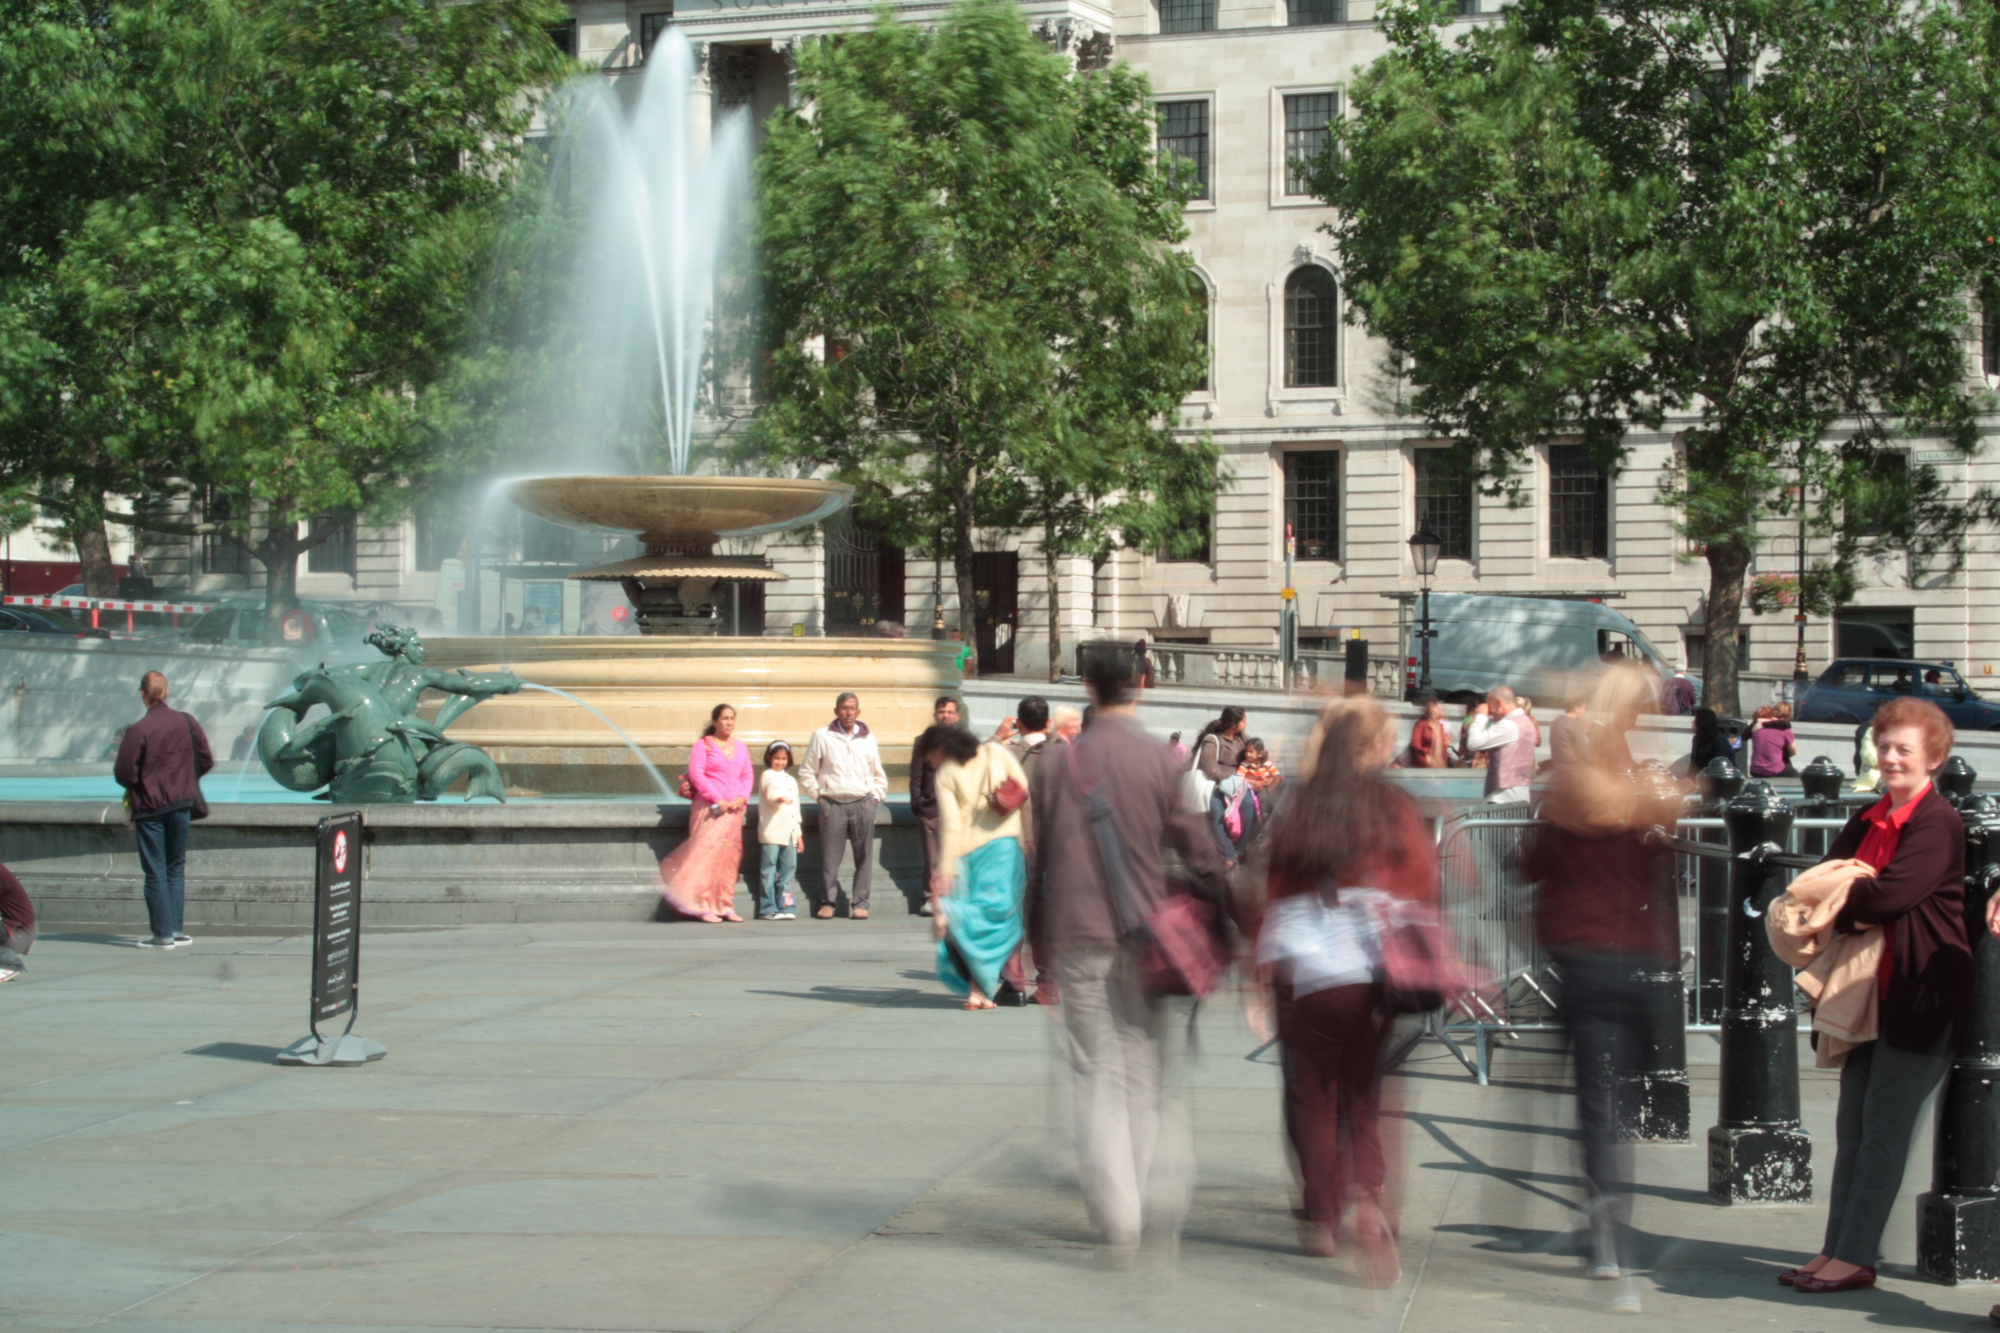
(768, 1126)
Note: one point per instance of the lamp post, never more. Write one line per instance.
(1799, 611)
(1424, 549)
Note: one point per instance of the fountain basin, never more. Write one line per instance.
(660, 691)
(682, 512)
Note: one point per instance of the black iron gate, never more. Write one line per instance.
(996, 591)
(864, 579)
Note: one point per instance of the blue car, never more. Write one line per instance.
(1854, 687)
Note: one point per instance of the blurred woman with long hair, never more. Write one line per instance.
(1605, 913)
(1347, 843)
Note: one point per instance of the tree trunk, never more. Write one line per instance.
(93, 547)
(1720, 671)
(1055, 602)
(280, 557)
(961, 568)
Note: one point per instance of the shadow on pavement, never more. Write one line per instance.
(881, 996)
(236, 1050)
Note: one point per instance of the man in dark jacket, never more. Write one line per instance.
(923, 800)
(1135, 1164)
(160, 763)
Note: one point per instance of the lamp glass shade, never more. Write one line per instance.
(1424, 548)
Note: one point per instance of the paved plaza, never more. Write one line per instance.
(783, 1127)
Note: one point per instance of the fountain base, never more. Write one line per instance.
(660, 689)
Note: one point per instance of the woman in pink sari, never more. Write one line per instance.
(698, 878)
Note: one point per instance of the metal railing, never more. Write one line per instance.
(1488, 904)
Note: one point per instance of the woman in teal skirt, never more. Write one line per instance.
(982, 865)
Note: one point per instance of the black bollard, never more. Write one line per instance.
(1757, 1151)
(1958, 1221)
(1955, 779)
(1820, 783)
(1651, 1102)
(1719, 782)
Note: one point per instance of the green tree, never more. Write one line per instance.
(972, 306)
(1760, 223)
(260, 279)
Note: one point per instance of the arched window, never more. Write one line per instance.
(1312, 330)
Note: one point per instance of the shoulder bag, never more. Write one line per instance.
(1421, 967)
(1178, 949)
(1196, 789)
(198, 810)
(1008, 796)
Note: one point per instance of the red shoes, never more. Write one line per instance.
(1817, 1285)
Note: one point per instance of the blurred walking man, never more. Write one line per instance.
(1135, 1163)
(843, 772)
(160, 763)
(1498, 726)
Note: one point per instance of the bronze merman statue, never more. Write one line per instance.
(371, 746)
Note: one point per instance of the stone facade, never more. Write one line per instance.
(1355, 460)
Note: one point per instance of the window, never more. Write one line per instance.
(650, 28)
(335, 555)
(1989, 338)
(732, 73)
(1468, 6)
(564, 37)
(1312, 330)
(1198, 299)
(1187, 15)
(440, 535)
(220, 555)
(1306, 119)
(1312, 503)
(1444, 502)
(1579, 506)
(1301, 13)
(1879, 503)
(1184, 134)
(1198, 547)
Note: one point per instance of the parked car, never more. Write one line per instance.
(1546, 648)
(1852, 689)
(241, 625)
(41, 620)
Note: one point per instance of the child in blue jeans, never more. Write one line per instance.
(780, 834)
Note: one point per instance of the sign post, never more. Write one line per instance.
(336, 949)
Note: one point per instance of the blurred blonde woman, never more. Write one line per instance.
(1605, 912)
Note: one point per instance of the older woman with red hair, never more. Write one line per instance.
(1916, 843)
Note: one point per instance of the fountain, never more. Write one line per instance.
(660, 685)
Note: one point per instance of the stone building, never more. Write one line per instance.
(1303, 403)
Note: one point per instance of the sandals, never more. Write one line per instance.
(979, 1004)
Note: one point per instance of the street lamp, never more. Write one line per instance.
(1424, 550)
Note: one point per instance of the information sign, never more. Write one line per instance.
(336, 916)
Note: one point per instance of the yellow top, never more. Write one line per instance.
(967, 820)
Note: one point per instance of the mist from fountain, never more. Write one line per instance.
(659, 778)
(658, 213)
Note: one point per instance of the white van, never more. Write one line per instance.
(1547, 649)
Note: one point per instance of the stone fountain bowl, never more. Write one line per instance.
(668, 511)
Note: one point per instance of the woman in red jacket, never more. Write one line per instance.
(1917, 896)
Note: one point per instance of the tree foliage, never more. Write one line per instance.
(974, 312)
(247, 240)
(1758, 222)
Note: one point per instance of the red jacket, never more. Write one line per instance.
(1920, 894)
(161, 760)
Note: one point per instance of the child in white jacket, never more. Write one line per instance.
(780, 834)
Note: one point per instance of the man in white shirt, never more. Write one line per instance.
(843, 772)
(1498, 725)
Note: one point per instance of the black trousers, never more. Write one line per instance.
(1882, 1091)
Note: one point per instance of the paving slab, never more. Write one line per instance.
(778, 1128)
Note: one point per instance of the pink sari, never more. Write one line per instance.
(698, 878)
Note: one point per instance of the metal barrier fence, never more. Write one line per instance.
(1488, 903)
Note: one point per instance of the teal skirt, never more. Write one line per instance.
(982, 917)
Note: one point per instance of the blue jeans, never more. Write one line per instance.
(777, 863)
(163, 842)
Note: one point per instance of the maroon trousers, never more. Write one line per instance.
(1332, 1042)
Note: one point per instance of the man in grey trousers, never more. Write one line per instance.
(843, 772)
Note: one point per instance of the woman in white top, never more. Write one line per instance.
(982, 868)
(780, 833)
